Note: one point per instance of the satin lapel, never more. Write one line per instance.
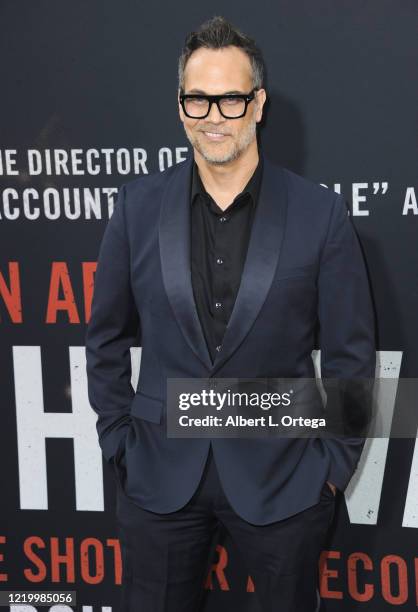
(175, 249)
(262, 258)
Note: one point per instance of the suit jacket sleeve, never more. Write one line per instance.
(113, 328)
(347, 329)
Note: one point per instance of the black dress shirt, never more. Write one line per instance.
(219, 243)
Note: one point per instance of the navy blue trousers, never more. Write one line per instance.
(166, 557)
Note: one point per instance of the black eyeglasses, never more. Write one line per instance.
(231, 106)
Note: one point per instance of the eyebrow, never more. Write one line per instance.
(225, 93)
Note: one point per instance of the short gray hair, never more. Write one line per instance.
(217, 33)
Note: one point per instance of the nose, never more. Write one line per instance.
(214, 114)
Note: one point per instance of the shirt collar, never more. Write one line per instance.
(252, 187)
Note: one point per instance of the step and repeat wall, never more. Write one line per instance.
(89, 102)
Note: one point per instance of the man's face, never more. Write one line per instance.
(220, 71)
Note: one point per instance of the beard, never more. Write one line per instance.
(233, 152)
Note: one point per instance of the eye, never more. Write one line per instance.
(198, 100)
(231, 101)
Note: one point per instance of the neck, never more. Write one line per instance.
(224, 181)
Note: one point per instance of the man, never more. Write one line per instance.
(223, 266)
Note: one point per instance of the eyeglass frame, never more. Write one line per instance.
(247, 98)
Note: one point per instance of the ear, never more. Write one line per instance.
(181, 113)
(261, 97)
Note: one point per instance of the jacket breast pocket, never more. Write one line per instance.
(146, 407)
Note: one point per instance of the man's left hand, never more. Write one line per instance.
(332, 486)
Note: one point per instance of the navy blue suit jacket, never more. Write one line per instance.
(304, 268)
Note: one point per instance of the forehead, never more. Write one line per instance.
(218, 70)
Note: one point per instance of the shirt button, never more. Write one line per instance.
(222, 219)
(218, 304)
(219, 260)
(218, 348)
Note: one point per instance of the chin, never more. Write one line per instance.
(216, 161)
(217, 158)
